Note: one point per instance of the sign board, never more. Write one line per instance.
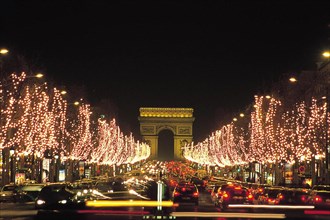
(81, 168)
(45, 170)
(301, 169)
(61, 175)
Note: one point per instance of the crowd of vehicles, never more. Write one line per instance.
(145, 186)
(225, 192)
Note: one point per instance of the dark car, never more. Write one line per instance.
(56, 196)
(233, 194)
(290, 196)
(269, 195)
(185, 193)
(320, 199)
(29, 192)
(321, 187)
(8, 193)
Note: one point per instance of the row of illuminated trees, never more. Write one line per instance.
(291, 126)
(36, 119)
(271, 135)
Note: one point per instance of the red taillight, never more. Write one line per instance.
(225, 195)
(183, 189)
(250, 197)
(195, 194)
(318, 199)
(176, 193)
(304, 198)
(281, 197)
(238, 188)
(271, 200)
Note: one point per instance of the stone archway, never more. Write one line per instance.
(178, 120)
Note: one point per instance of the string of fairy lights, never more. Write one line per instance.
(35, 121)
(271, 136)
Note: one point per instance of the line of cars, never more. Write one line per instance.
(20, 193)
(224, 193)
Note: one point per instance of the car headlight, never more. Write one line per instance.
(64, 201)
(40, 202)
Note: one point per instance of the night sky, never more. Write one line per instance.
(213, 56)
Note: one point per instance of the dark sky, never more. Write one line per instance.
(212, 56)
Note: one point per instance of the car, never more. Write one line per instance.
(292, 196)
(321, 187)
(200, 183)
(29, 192)
(8, 193)
(269, 195)
(185, 192)
(56, 196)
(233, 194)
(320, 199)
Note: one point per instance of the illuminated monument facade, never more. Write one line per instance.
(178, 120)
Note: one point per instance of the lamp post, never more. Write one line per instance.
(3, 51)
(12, 164)
(324, 69)
(56, 168)
(327, 168)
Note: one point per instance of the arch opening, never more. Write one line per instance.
(165, 145)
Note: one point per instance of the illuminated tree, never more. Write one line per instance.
(80, 135)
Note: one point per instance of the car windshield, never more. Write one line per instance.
(9, 188)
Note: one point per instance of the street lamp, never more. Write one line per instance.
(3, 51)
(12, 169)
(56, 167)
(293, 79)
(37, 75)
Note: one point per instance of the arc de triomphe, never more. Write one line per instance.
(178, 120)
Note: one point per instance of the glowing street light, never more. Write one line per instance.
(3, 51)
(293, 79)
(63, 92)
(39, 75)
(326, 54)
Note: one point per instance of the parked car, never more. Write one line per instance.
(185, 192)
(233, 194)
(8, 193)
